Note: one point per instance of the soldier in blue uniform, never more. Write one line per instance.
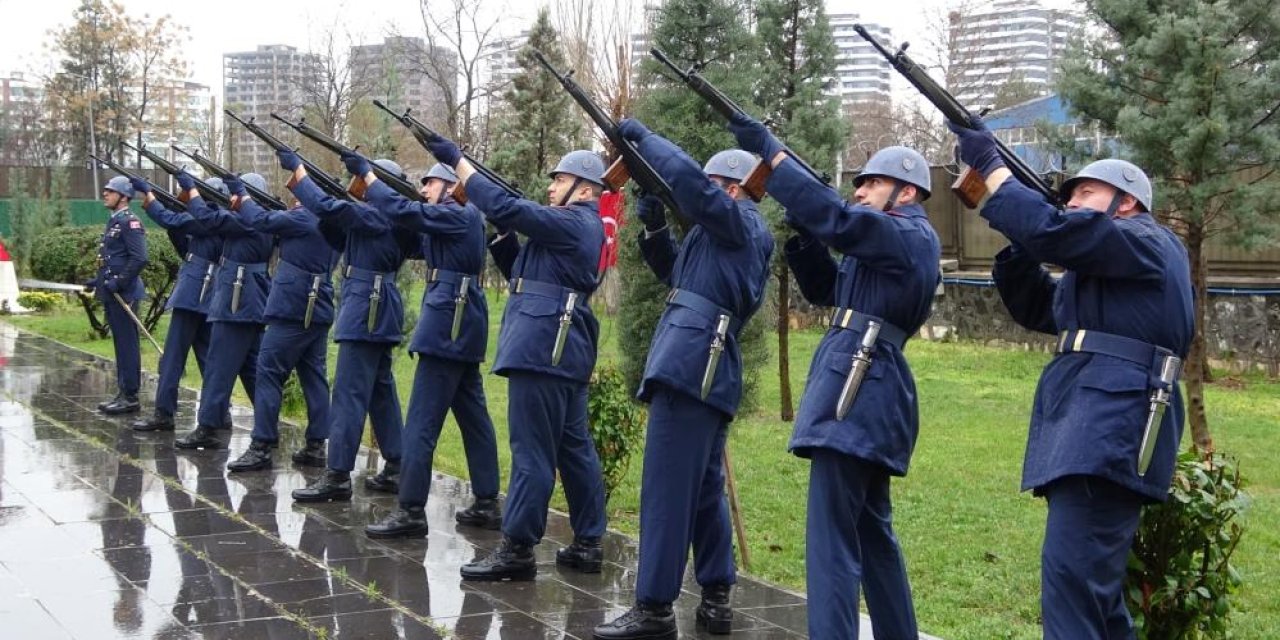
(240, 289)
(546, 349)
(368, 327)
(1123, 314)
(857, 437)
(189, 304)
(298, 313)
(450, 340)
(121, 256)
(692, 381)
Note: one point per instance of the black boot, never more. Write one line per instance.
(121, 405)
(387, 480)
(510, 561)
(333, 485)
(714, 612)
(311, 455)
(584, 554)
(159, 421)
(405, 522)
(201, 437)
(642, 622)
(116, 398)
(257, 456)
(484, 513)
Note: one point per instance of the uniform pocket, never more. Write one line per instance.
(538, 306)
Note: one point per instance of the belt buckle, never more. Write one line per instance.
(671, 295)
(519, 288)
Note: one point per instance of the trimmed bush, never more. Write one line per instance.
(616, 421)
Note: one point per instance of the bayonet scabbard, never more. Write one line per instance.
(562, 334)
(857, 369)
(1160, 397)
(311, 301)
(459, 308)
(713, 355)
(375, 296)
(236, 288)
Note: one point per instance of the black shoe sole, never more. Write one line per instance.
(381, 487)
(714, 627)
(337, 497)
(257, 467)
(581, 566)
(665, 635)
(120, 412)
(406, 533)
(524, 575)
(192, 446)
(146, 428)
(492, 524)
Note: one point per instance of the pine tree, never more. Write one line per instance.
(800, 57)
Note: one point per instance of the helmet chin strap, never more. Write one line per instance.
(893, 195)
(569, 194)
(1115, 203)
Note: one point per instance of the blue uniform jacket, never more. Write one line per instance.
(724, 258)
(200, 251)
(453, 240)
(1124, 276)
(374, 247)
(242, 246)
(305, 254)
(561, 249)
(890, 271)
(121, 256)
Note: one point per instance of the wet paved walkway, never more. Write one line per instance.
(109, 533)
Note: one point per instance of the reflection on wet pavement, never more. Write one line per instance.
(110, 533)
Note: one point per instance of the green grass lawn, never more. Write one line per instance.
(971, 539)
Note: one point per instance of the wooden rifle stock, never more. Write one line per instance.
(459, 193)
(754, 184)
(616, 176)
(970, 188)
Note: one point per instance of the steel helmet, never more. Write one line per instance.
(1120, 174)
(218, 185)
(583, 164)
(390, 166)
(254, 180)
(120, 185)
(900, 163)
(734, 164)
(441, 171)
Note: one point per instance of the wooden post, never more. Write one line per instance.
(735, 512)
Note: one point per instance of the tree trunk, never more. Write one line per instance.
(786, 408)
(1196, 369)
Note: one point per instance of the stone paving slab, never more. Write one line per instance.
(110, 533)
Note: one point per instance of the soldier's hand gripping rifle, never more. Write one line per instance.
(357, 185)
(326, 182)
(725, 106)
(170, 201)
(631, 164)
(263, 198)
(970, 187)
(207, 192)
(424, 135)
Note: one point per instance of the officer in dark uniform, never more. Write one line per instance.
(1123, 314)
(450, 340)
(240, 289)
(189, 303)
(692, 380)
(121, 256)
(546, 349)
(857, 436)
(298, 313)
(368, 327)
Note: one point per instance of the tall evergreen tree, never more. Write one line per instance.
(1192, 88)
(799, 59)
(714, 33)
(537, 121)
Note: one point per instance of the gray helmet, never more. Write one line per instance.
(442, 172)
(120, 185)
(734, 164)
(254, 180)
(1120, 174)
(900, 163)
(218, 185)
(583, 164)
(390, 166)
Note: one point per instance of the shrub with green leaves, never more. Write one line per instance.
(1181, 579)
(616, 421)
(39, 300)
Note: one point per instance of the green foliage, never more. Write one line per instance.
(35, 210)
(537, 121)
(1181, 578)
(616, 421)
(640, 303)
(40, 300)
(292, 403)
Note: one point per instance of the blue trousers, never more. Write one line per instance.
(233, 351)
(363, 384)
(440, 385)
(1087, 537)
(286, 347)
(124, 337)
(547, 420)
(188, 331)
(682, 499)
(849, 545)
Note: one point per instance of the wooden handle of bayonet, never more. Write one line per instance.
(459, 193)
(616, 176)
(754, 184)
(970, 187)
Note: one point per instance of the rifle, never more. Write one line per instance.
(206, 191)
(630, 163)
(725, 106)
(170, 201)
(326, 182)
(357, 185)
(423, 134)
(261, 197)
(970, 187)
